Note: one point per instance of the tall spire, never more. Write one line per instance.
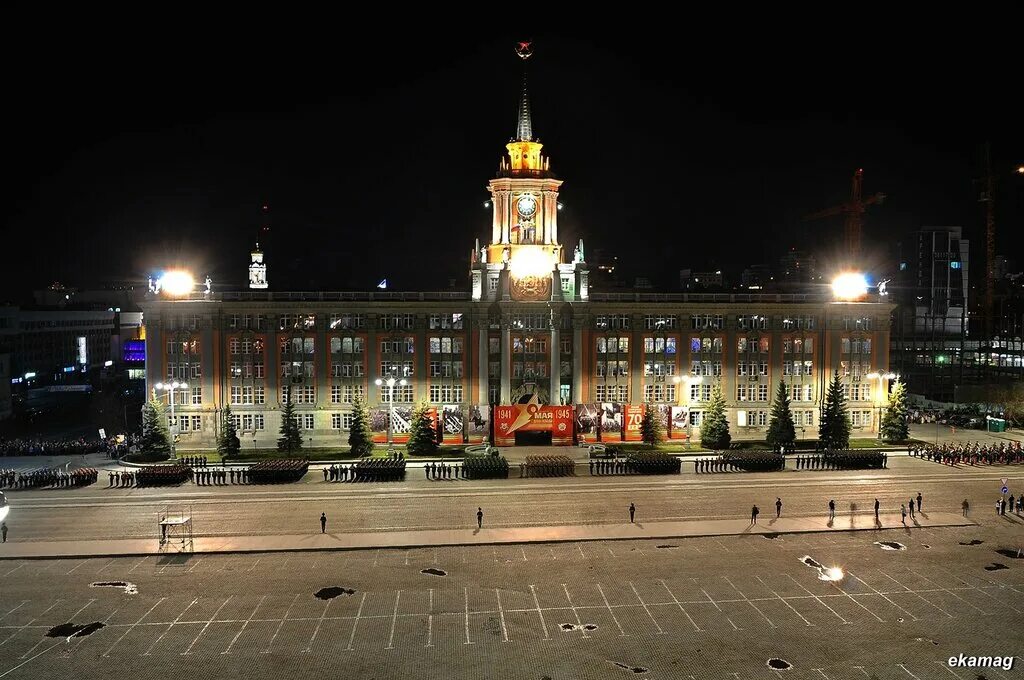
(524, 126)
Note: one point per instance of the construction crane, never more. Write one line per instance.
(853, 211)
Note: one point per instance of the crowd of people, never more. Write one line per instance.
(48, 477)
(971, 453)
(51, 447)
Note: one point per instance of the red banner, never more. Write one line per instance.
(633, 415)
(532, 417)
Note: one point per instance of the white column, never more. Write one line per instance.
(577, 363)
(506, 363)
(483, 362)
(556, 380)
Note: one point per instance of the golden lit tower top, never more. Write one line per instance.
(524, 151)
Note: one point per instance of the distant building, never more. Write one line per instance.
(797, 266)
(757, 277)
(690, 279)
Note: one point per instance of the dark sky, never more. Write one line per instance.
(373, 153)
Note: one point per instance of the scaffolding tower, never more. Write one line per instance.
(175, 530)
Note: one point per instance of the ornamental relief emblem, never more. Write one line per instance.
(531, 287)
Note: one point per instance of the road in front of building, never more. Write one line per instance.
(712, 607)
(98, 512)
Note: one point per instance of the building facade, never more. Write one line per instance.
(529, 330)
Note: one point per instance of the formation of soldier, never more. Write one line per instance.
(485, 467)
(843, 460)
(444, 471)
(278, 471)
(194, 461)
(48, 477)
(378, 470)
(741, 461)
(640, 463)
(971, 453)
(160, 475)
(548, 466)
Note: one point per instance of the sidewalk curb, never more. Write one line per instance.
(751, 531)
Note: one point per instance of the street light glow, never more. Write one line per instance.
(531, 262)
(176, 282)
(850, 286)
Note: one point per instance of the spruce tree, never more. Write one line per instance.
(228, 444)
(650, 426)
(360, 438)
(156, 437)
(291, 437)
(834, 429)
(422, 437)
(714, 429)
(781, 431)
(894, 421)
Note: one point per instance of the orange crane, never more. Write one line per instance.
(854, 209)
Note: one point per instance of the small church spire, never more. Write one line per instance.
(524, 126)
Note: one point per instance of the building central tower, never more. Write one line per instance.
(524, 260)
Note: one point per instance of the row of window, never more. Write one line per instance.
(529, 369)
(855, 345)
(529, 345)
(613, 393)
(184, 371)
(660, 392)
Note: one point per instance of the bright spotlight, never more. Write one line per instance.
(832, 574)
(177, 282)
(531, 262)
(850, 286)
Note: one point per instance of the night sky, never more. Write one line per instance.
(373, 155)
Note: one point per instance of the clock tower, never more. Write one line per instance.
(524, 260)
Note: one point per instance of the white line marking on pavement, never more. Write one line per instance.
(952, 593)
(783, 601)
(946, 666)
(76, 567)
(948, 615)
(394, 620)
(281, 623)
(244, 625)
(622, 633)
(884, 596)
(523, 552)
(100, 571)
(82, 639)
(536, 603)
(861, 669)
(430, 620)
(138, 563)
(316, 629)
(355, 625)
(189, 650)
(908, 672)
(71, 618)
(170, 626)
(680, 604)
(501, 613)
(254, 564)
(15, 569)
(747, 600)
(23, 602)
(465, 592)
(646, 609)
(858, 603)
(820, 671)
(21, 628)
(11, 670)
(820, 601)
(579, 622)
(130, 628)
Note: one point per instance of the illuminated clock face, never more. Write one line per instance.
(526, 205)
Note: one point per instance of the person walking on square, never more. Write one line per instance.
(832, 509)
(778, 507)
(876, 509)
(1002, 506)
(632, 512)
(3, 530)
(323, 522)
(911, 508)
(965, 506)
(903, 514)
(753, 514)
(326, 472)
(479, 518)
(919, 501)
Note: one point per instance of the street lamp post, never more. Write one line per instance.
(390, 383)
(880, 377)
(169, 389)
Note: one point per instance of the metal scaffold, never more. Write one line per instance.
(175, 530)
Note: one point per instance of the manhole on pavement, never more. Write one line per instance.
(333, 592)
(434, 572)
(70, 630)
(996, 566)
(128, 587)
(779, 664)
(890, 545)
(577, 626)
(973, 541)
(627, 667)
